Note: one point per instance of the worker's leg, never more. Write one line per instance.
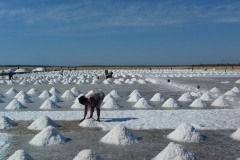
(98, 114)
(92, 110)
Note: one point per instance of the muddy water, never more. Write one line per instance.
(218, 145)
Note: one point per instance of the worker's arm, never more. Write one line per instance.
(85, 113)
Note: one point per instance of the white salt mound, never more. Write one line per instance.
(75, 91)
(220, 102)
(89, 92)
(6, 123)
(238, 81)
(89, 123)
(49, 104)
(142, 103)
(68, 94)
(14, 104)
(42, 122)
(230, 93)
(215, 89)
(198, 103)
(53, 90)
(170, 103)
(175, 152)
(108, 96)
(206, 97)
(134, 98)
(1, 101)
(12, 91)
(234, 89)
(186, 97)
(157, 98)
(111, 103)
(185, 133)
(134, 92)
(20, 155)
(115, 94)
(22, 93)
(119, 135)
(45, 94)
(49, 136)
(55, 98)
(24, 99)
(77, 105)
(33, 91)
(236, 135)
(87, 154)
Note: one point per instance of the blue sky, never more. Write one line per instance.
(107, 32)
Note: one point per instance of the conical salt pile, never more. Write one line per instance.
(115, 94)
(12, 91)
(236, 135)
(24, 99)
(1, 101)
(68, 94)
(43, 122)
(186, 97)
(108, 96)
(198, 103)
(53, 90)
(230, 93)
(220, 102)
(134, 98)
(6, 123)
(20, 155)
(111, 103)
(206, 97)
(49, 104)
(55, 98)
(175, 152)
(170, 103)
(134, 92)
(49, 136)
(87, 154)
(77, 105)
(234, 89)
(106, 81)
(45, 94)
(22, 93)
(185, 133)
(33, 91)
(89, 123)
(91, 91)
(14, 104)
(238, 81)
(75, 91)
(119, 135)
(157, 98)
(215, 89)
(142, 103)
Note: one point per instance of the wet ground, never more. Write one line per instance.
(217, 146)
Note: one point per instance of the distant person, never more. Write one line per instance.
(61, 71)
(225, 69)
(94, 100)
(198, 86)
(232, 68)
(150, 68)
(192, 68)
(10, 75)
(106, 73)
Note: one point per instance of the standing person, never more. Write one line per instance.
(10, 75)
(61, 72)
(94, 100)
